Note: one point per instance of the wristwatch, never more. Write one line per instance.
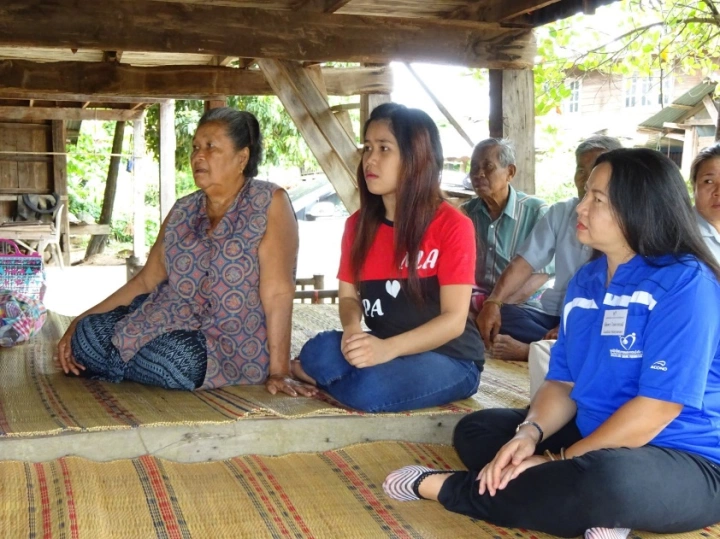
(540, 431)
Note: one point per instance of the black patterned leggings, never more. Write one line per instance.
(174, 360)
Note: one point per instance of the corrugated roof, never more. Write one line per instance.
(672, 114)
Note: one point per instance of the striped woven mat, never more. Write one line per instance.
(335, 494)
(37, 399)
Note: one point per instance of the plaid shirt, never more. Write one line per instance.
(498, 240)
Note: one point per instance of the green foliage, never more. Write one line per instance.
(643, 37)
(87, 166)
(284, 146)
(121, 229)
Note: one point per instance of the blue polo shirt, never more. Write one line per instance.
(654, 332)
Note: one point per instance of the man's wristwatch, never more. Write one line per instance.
(540, 431)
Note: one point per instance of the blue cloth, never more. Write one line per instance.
(174, 360)
(668, 347)
(405, 383)
(525, 325)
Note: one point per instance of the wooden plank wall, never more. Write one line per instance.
(23, 172)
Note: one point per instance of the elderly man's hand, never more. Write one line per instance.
(488, 322)
(552, 335)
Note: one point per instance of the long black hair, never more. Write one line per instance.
(649, 198)
(418, 191)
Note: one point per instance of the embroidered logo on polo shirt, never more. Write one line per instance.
(659, 366)
(627, 342)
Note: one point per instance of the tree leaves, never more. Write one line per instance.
(283, 144)
(642, 37)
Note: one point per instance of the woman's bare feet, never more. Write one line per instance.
(505, 347)
(297, 372)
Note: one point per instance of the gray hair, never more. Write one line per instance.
(705, 154)
(506, 154)
(243, 129)
(597, 142)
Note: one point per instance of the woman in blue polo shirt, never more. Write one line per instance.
(625, 432)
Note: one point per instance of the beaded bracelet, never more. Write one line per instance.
(552, 458)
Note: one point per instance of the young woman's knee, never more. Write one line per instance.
(319, 351)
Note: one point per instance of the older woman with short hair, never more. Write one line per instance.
(213, 305)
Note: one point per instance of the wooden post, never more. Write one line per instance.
(139, 249)
(690, 147)
(215, 104)
(167, 157)
(368, 102)
(512, 116)
(334, 148)
(60, 183)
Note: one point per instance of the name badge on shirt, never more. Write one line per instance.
(614, 322)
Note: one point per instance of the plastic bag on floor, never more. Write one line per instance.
(21, 317)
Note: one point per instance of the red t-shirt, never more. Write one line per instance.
(446, 257)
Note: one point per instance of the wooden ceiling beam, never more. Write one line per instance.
(258, 33)
(320, 6)
(498, 11)
(102, 81)
(48, 113)
(112, 56)
(222, 61)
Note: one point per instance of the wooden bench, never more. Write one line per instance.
(316, 294)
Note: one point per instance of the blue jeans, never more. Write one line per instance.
(405, 383)
(526, 325)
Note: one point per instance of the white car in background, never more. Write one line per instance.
(321, 210)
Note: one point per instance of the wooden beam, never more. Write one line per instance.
(244, 63)
(28, 114)
(690, 148)
(450, 118)
(214, 104)
(711, 108)
(345, 106)
(222, 61)
(260, 33)
(60, 185)
(495, 117)
(112, 56)
(333, 147)
(512, 116)
(498, 10)
(368, 104)
(689, 124)
(138, 189)
(108, 81)
(89, 230)
(167, 157)
(320, 6)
